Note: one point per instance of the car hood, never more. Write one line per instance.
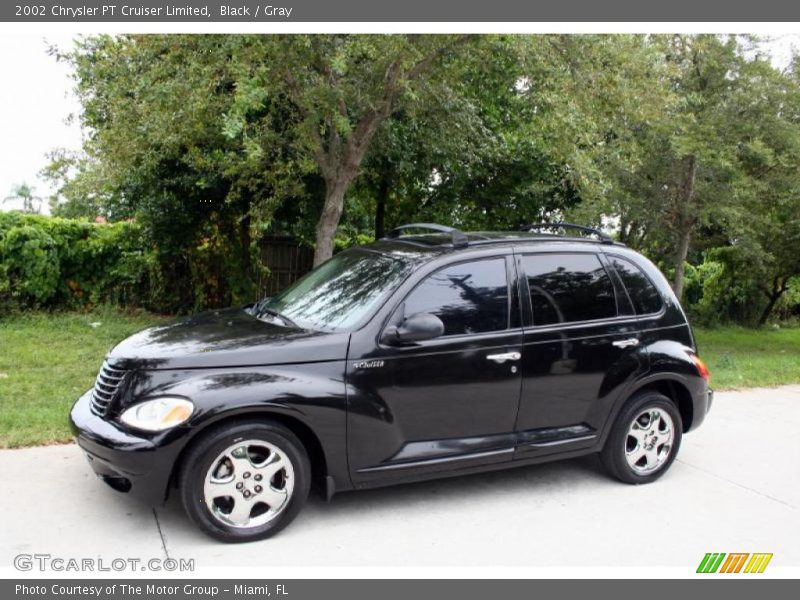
(225, 338)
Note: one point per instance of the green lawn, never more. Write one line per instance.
(739, 357)
(48, 360)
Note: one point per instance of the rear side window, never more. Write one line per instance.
(643, 293)
(566, 288)
(469, 297)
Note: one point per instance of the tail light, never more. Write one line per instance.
(702, 368)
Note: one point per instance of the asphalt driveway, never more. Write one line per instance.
(734, 488)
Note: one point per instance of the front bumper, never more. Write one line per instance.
(139, 465)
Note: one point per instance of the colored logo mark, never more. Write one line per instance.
(735, 562)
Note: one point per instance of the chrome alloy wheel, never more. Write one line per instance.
(648, 443)
(249, 484)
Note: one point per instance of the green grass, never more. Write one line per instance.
(48, 359)
(740, 358)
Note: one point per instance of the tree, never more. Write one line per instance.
(461, 120)
(527, 137)
(31, 203)
(343, 89)
(208, 141)
(156, 151)
(769, 152)
(693, 170)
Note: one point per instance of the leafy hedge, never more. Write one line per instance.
(64, 263)
(58, 263)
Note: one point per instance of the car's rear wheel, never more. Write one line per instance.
(245, 481)
(644, 440)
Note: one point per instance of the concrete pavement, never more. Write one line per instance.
(734, 488)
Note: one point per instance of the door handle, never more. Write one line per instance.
(503, 357)
(630, 342)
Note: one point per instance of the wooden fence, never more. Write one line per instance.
(287, 261)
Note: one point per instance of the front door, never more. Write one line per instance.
(448, 402)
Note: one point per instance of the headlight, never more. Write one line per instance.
(158, 414)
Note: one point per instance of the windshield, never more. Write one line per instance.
(338, 294)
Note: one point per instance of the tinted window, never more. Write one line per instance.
(568, 287)
(341, 292)
(643, 294)
(468, 297)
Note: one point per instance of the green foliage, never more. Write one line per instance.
(687, 146)
(29, 268)
(54, 262)
(161, 152)
(720, 291)
(349, 237)
(65, 263)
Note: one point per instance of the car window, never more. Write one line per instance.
(342, 292)
(568, 287)
(470, 297)
(643, 293)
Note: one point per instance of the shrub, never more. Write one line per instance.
(29, 266)
(51, 262)
(724, 289)
(64, 263)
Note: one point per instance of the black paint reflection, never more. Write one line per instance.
(642, 292)
(337, 295)
(467, 297)
(569, 287)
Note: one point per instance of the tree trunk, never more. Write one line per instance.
(341, 171)
(329, 219)
(685, 222)
(623, 229)
(244, 246)
(380, 208)
(380, 218)
(680, 262)
(774, 296)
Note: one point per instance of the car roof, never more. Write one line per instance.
(429, 245)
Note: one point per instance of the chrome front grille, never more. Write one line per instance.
(105, 388)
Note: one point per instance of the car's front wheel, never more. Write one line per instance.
(644, 440)
(245, 481)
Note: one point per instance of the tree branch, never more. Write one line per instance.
(423, 64)
(318, 148)
(367, 126)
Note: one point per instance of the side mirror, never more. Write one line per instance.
(416, 328)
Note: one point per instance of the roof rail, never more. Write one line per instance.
(458, 238)
(604, 237)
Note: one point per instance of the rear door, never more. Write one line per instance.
(580, 350)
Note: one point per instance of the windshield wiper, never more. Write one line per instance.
(275, 313)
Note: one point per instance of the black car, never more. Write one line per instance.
(416, 357)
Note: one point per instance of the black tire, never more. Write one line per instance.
(205, 453)
(622, 443)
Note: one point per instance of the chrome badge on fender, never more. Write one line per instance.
(368, 364)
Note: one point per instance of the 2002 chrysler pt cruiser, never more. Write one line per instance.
(419, 356)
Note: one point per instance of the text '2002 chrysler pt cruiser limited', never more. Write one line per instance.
(419, 356)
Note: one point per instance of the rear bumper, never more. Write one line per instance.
(701, 402)
(128, 463)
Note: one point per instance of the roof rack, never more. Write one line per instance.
(604, 237)
(458, 238)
